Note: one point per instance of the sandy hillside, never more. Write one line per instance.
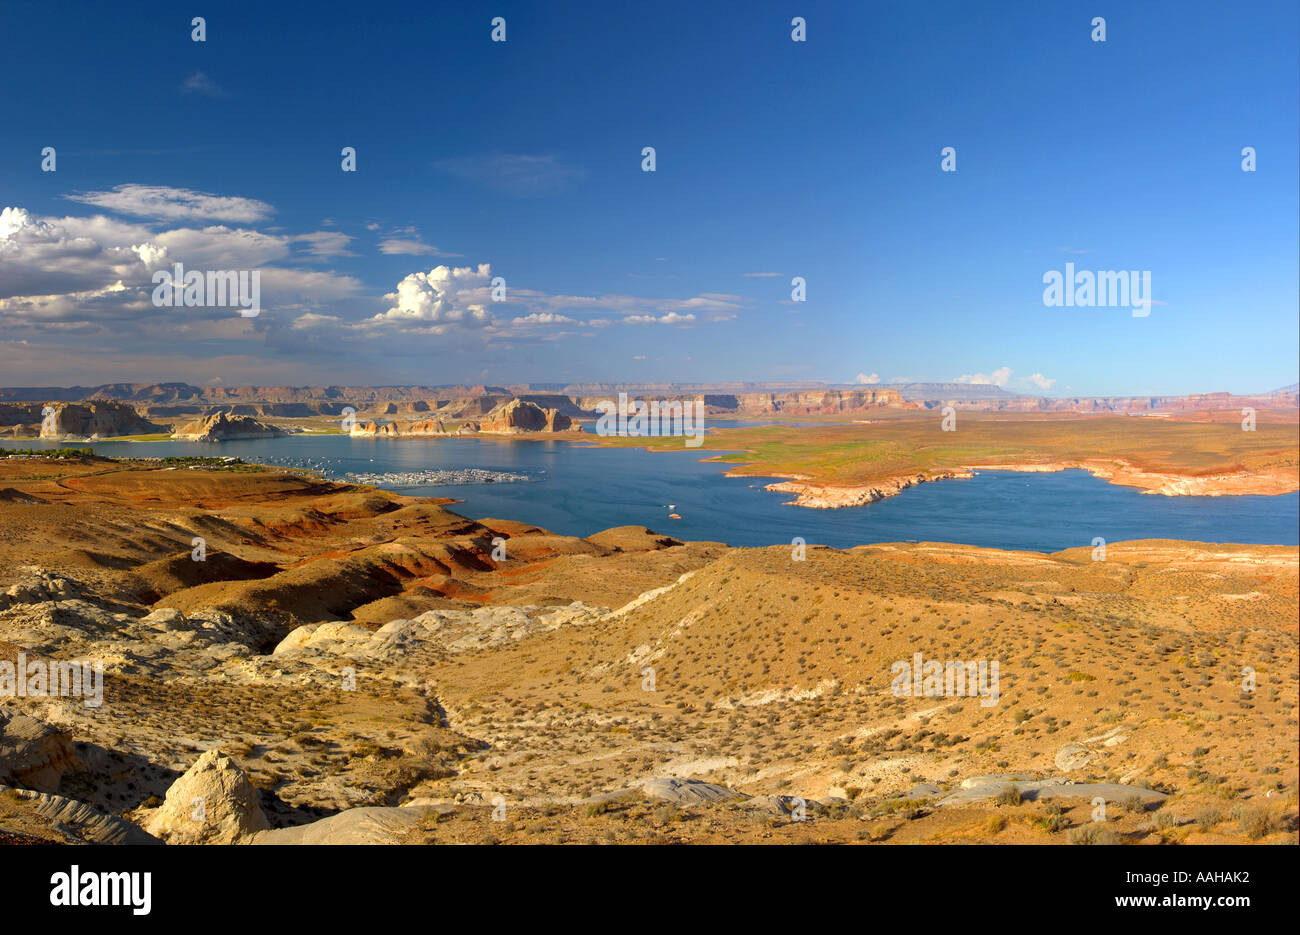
(376, 673)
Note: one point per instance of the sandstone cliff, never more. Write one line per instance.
(223, 426)
(80, 421)
(800, 402)
(427, 427)
(518, 416)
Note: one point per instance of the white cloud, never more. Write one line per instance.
(79, 273)
(306, 285)
(50, 257)
(714, 306)
(325, 243)
(222, 247)
(541, 318)
(199, 83)
(867, 378)
(312, 320)
(397, 246)
(669, 318)
(12, 220)
(151, 255)
(175, 204)
(999, 377)
(1002, 377)
(444, 298)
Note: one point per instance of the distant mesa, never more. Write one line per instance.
(224, 426)
(512, 417)
(426, 428)
(89, 413)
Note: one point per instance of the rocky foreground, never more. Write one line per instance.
(348, 665)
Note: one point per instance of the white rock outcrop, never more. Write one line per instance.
(213, 803)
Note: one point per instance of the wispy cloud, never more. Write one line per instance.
(406, 241)
(174, 204)
(514, 173)
(668, 318)
(325, 243)
(199, 83)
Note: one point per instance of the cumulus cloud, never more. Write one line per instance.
(48, 257)
(1002, 377)
(448, 299)
(90, 279)
(62, 274)
(175, 204)
(867, 378)
(999, 377)
(444, 298)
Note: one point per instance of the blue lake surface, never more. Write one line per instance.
(578, 490)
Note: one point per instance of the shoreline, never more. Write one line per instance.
(810, 494)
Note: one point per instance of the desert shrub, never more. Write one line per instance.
(666, 813)
(1133, 803)
(1053, 823)
(1208, 818)
(1256, 821)
(1093, 833)
(1009, 795)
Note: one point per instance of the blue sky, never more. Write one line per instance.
(522, 159)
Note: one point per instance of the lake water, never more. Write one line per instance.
(577, 490)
